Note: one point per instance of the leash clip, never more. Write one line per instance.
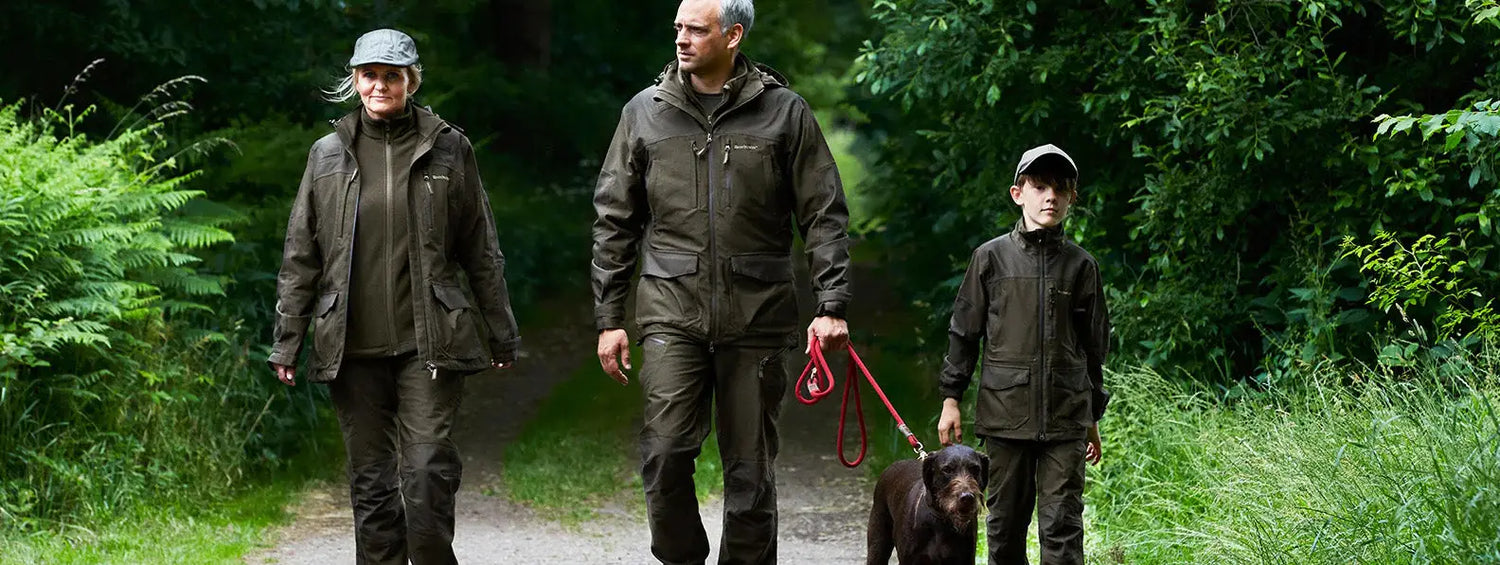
(812, 382)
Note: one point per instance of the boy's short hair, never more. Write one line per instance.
(1061, 182)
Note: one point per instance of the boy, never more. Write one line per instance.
(1037, 302)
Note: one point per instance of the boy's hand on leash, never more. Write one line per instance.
(832, 334)
(1094, 452)
(951, 423)
(286, 374)
(614, 351)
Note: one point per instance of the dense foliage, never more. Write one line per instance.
(117, 378)
(1227, 150)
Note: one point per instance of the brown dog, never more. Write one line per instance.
(928, 510)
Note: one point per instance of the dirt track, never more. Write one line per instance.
(823, 505)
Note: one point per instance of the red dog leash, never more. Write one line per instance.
(816, 389)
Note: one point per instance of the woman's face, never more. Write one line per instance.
(382, 89)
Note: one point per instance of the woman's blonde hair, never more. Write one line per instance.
(343, 89)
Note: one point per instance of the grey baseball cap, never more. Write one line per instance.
(1046, 158)
(385, 47)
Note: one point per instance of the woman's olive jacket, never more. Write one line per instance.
(452, 230)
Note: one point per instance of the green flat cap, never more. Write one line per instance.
(384, 47)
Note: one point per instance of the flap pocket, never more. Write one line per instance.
(667, 264)
(451, 296)
(1001, 377)
(769, 268)
(325, 303)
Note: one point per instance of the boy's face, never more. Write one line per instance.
(1042, 205)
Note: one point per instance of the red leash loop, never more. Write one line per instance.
(816, 389)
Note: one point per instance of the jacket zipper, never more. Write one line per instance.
(427, 181)
(1041, 344)
(390, 222)
(419, 277)
(713, 247)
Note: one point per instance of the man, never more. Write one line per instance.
(707, 170)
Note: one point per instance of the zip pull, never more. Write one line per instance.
(697, 152)
(726, 153)
(432, 367)
(427, 178)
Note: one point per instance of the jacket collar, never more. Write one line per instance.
(748, 80)
(426, 122)
(1034, 239)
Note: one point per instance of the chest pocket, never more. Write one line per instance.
(672, 187)
(433, 192)
(334, 192)
(748, 168)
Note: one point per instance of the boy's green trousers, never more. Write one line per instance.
(1047, 477)
(680, 378)
(403, 469)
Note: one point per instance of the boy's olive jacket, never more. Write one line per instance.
(452, 229)
(705, 204)
(1037, 301)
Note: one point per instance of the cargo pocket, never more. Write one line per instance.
(666, 293)
(455, 331)
(1004, 398)
(761, 295)
(1071, 397)
(326, 334)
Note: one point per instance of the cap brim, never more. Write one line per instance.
(1050, 163)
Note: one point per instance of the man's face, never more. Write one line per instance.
(702, 45)
(1042, 205)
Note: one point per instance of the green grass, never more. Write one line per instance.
(221, 529)
(579, 452)
(1334, 467)
(179, 533)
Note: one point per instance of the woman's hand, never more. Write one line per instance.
(287, 374)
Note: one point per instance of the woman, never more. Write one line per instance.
(389, 212)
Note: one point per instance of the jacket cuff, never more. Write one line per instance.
(834, 308)
(504, 351)
(281, 357)
(1101, 401)
(945, 392)
(607, 320)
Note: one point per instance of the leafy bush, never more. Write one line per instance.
(113, 384)
(1226, 150)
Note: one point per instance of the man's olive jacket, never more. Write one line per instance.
(1037, 301)
(452, 230)
(705, 204)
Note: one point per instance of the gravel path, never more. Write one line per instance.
(823, 505)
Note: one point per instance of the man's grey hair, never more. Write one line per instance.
(736, 12)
